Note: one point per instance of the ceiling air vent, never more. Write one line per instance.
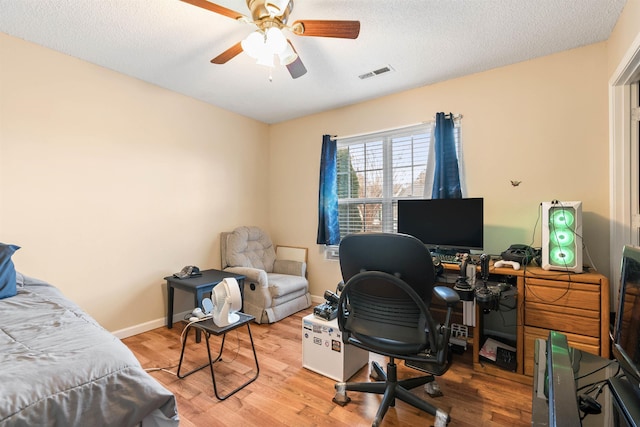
(376, 72)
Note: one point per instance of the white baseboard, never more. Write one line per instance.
(147, 326)
(317, 299)
(157, 323)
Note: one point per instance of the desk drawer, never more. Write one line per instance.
(562, 319)
(585, 296)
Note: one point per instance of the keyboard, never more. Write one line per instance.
(447, 259)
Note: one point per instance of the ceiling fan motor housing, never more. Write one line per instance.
(270, 11)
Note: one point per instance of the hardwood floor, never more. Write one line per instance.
(285, 393)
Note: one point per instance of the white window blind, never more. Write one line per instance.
(377, 169)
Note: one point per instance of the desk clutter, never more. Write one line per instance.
(487, 292)
(198, 286)
(328, 310)
(187, 272)
(223, 306)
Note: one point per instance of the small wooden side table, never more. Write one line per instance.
(209, 328)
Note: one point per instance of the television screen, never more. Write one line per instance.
(626, 340)
(444, 224)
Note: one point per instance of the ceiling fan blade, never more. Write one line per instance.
(215, 8)
(326, 28)
(227, 54)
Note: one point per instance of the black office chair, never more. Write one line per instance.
(384, 308)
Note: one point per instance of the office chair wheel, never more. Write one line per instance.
(341, 397)
(433, 389)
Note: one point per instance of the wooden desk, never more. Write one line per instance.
(576, 304)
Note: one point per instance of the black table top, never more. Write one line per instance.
(209, 326)
(207, 278)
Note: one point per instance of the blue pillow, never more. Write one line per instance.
(7, 271)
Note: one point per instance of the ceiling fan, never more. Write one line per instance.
(270, 17)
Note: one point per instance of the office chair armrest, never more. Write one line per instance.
(448, 295)
(451, 298)
(253, 275)
(287, 266)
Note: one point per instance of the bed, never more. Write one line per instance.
(59, 367)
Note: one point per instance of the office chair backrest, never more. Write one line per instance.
(389, 281)
(394, 253)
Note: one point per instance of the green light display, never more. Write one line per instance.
(562, 251)
(561, 238)
(562, 218)
(562, 256)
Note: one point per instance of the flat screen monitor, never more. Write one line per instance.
(444, 225)
(626, 334)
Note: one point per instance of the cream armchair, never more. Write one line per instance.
(274, 288)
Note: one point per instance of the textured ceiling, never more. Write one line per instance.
(169, 43)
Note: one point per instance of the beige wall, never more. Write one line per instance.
(623, 35)
(542, 122)
(109, 184)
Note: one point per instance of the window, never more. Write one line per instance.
(375, 170)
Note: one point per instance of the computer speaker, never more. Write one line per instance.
(562, 236)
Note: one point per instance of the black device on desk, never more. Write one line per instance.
(328, 310)
(188, 271)
(519, 253)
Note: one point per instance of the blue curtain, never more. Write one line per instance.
(328, 226)
(446, 180)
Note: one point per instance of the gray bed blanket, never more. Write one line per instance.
(59, 367)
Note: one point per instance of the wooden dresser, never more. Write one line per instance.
(576, 305)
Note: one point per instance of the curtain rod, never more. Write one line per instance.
(454, 116)
(379, 131)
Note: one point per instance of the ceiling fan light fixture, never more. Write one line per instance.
(266, 59)
(275, 40)
(288, 55)
(262, 46)
(254, 44)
